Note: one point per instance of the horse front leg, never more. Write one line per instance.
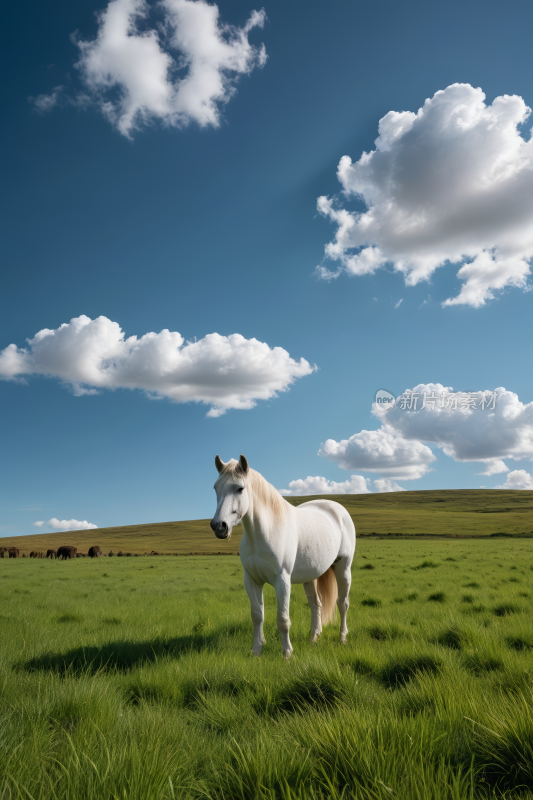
(255, 593)
(283, 594)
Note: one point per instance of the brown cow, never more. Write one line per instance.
(66, 551)
(14, 553)
(51, 553)
(95, 551)
(3, 551)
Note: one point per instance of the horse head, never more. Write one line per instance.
(233, 499)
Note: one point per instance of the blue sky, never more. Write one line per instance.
(199, 228)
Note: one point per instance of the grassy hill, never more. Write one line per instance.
(463, 512)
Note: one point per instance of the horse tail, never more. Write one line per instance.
(328, 592)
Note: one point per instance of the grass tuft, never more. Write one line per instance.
(478, 662)
(519, 643)
(505, 609)
(318, 692)
(68, 617)
(399, 671)
(456, 637)
(362, 666)
(383, 633)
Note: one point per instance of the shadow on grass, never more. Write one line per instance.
(121, 656)
(320, 692)
(315, 689)
(399, 671)
(505, 610)
(519, 643)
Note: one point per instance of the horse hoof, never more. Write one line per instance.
(287, 654)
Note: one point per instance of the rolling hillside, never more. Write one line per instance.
(465, 512)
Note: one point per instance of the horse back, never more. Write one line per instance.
(327, 520)
(334, 510)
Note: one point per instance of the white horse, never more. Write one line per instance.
(312, 544)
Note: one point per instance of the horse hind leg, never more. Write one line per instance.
(343, 573)
(313, 599)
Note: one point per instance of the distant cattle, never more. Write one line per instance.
(67, 551)
(51, 553)
(13, 552)
(3, 551)
(95, 551)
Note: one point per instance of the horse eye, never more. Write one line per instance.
(240, 489)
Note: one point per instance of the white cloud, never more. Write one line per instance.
(317, 485)
(65, 524)
(453, 182)
(518, 479)
(398, 304)
(501, 430)
(222, 371)
(494, 466)
(45, 102)
(355, 485)
(386, 485)
(180, 71)
(383, 451)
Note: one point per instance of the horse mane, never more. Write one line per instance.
(267, 495)
(264, 494)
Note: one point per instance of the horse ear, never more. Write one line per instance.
(243, 464)
(219, 464)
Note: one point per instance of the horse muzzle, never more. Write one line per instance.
(220, 529)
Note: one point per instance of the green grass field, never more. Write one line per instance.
(132, 679)
(456, 513)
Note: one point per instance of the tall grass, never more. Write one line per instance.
(133, 679)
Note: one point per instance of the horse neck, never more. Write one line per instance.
(259, 521)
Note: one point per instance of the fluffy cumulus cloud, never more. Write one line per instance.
(181, 70)
(222, 371)
(384, 451)
(451, 183)
(386, 485)
(65, 524)
(355, 485)
(486, 426)
(317, 485)
(517, 479)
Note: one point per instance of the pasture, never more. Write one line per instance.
(133, 679)
(456, 513)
